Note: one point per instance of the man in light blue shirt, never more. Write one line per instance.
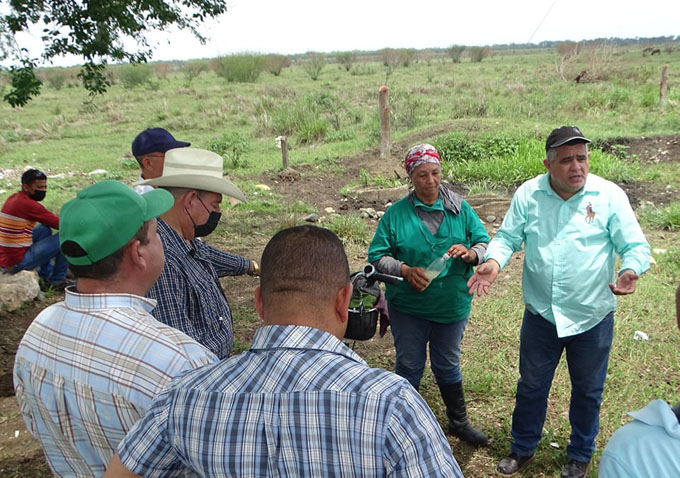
(573, 225)
(647, 447)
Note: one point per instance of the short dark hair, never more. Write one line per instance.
(32, 175)
(305, 260)
(107, 266)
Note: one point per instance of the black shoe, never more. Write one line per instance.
(575, 469)
(468, 433)
(513, 463)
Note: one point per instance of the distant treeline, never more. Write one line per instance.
(594, 42)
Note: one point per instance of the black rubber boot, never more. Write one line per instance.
(459, 426)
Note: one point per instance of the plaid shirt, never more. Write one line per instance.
(189, 295)
(298, 403)
(87, 369)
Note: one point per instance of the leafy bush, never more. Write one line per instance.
(406, 56)
(455, 52)
(478, 53)
(231, 146)
(314, 65)
(240, 68)
(346, 59)
(275, 63)
(133, 75)
(458, 147)
(190, 70)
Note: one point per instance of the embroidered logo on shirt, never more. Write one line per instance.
(590, 213)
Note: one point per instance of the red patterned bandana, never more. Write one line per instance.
(421, 154)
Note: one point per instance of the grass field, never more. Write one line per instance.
(492, 116)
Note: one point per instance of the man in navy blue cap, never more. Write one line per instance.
(149, 148)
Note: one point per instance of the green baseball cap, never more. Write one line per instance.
(105, 216)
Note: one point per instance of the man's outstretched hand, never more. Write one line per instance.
(483, 277)
(625, 283)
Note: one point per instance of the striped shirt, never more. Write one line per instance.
(18, 217)
(298, 403)
(189, 295)
(87, 369)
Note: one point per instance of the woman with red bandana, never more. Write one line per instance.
(429, 222)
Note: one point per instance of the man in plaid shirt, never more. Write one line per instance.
(190, 297)
(299, 402)
(88, 367)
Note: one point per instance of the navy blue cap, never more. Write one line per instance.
(155, 140)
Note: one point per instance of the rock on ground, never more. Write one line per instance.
(15, 289)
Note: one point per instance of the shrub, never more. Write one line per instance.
(136, 74)
(275, 63)
(314, 65)
(55, 78)
(161, 69)
(455, 52)
(406, 56)
(231, 146)
(478, 53)
(240, 68)
(191, 70)
(346, 59)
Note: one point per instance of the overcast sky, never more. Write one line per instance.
(297, 26)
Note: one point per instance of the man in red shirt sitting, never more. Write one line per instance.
(25, 245)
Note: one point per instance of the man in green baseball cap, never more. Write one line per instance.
(96, 360)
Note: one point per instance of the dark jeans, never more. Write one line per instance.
(411, 336)
(587, 358)
(45, 247)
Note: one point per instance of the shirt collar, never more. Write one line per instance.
(300, 337)
(589, 187)
(448, 200)
(88, 302)
(175, 242)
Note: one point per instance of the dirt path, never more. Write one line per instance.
(318, 185)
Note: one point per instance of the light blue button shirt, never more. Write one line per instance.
(570, 249)
(647, 447)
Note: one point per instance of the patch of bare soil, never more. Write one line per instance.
(646, 150)
(318, 185)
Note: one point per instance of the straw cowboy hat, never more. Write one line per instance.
(195, 169)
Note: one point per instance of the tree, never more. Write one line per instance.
(93, 30)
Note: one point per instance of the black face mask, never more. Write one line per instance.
(203, 230)
(38, 195)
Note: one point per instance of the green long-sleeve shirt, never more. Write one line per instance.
(401, 234)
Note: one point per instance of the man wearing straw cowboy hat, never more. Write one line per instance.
(190, 297)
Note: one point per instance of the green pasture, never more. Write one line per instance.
(489, 119)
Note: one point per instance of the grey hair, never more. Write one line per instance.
(551, 154)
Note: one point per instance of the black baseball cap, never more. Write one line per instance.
(155, 140)
(564, 135)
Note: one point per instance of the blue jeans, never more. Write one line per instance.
(411, 335)
(45, 247)
(539, 353)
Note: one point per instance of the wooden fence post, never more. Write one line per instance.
(663, 87)
(284, 152)
(384, 106)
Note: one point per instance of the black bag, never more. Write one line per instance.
(363, 316)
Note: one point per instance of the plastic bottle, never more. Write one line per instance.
(436, 267)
